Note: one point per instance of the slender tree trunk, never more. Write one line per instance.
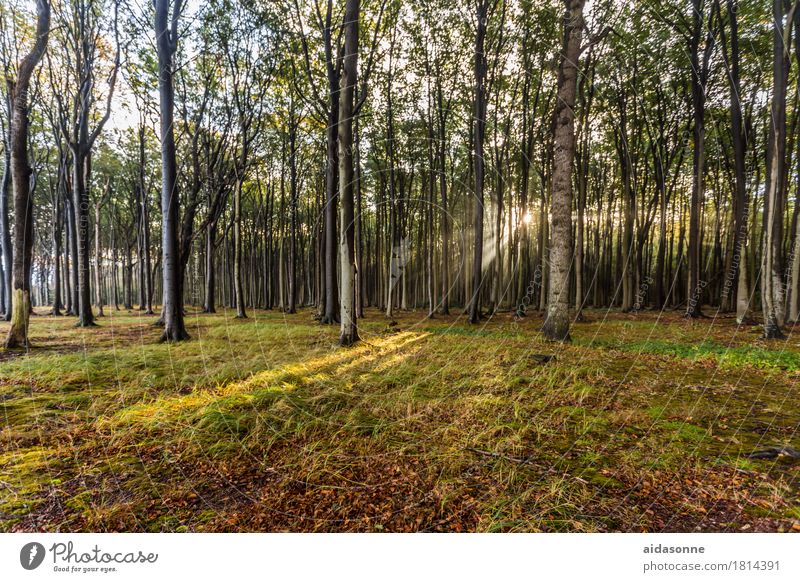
(478, 160)
(557, 321)
(58, 222)
(330, 311)
(394, 245)
(5, 229)
(167, 44)
(772, 273)
(441, 148)
(237, 249)
(210, 300)
(114, 258)
(21, 180)
(293, 203)
(81, 169)
(738, 272)
(794, 299)
(349, 328)
(98, 270)
(695, 286)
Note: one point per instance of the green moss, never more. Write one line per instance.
(685, 431)
(726, 356)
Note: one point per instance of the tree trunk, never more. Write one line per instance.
(81, 169)
(772, 273)
(21, 180)
(73, 254)
(695, 286)
(210, 300)
(737, 275)
(293, 203)
(98, 271)
(58, 221)
(349, 328)
(167, 44)
(5, 229)
(557, 321)
(237, 249)
(479, 129)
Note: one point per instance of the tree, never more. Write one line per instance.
(700, 65)
(349, 327)
(737, 273)
(327, 109)
(20, 177)
(81, 23)
(6, 250)
(5, 230)
(166, 28)
(479, 164)
(772, 272)
(98, 269)
(557, 321)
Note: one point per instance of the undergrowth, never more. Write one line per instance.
(264, 424)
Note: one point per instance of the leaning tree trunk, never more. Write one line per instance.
(167, 44)
(557, 321)
(20, 176)
(347, 255)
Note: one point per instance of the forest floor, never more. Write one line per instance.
(263, 424)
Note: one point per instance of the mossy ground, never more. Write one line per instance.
(265, 424)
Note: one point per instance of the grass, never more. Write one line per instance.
(265, 424)
(726, 356)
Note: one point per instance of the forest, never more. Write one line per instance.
(370, 265)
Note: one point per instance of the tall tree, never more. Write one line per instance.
(771, 264)
(98, 257)
(82, 22)
(6, 251)
(483, 9)
(737, 287)
(166, 28)
(700, 67)
(21, 179)
(557, 320)
(347, 256)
